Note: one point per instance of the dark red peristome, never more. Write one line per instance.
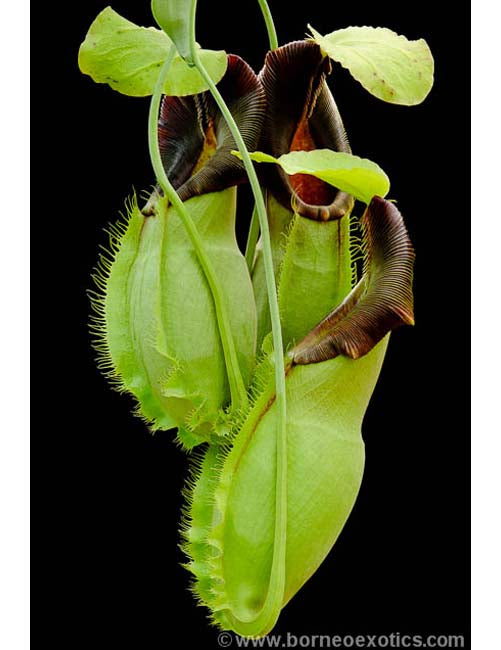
(379, 303)
(302, 115)
(183, 123)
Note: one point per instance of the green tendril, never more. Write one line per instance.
(250, 249)
(268, 615)
(237, 387)
(270, 25)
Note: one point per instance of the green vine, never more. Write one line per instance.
(237, 387)
(270, 25)
(273, 603)
(250, 248)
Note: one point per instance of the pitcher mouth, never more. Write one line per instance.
(302, 116)
(195, 141)
(341, 205)
(380, 302)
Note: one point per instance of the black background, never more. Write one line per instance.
(109, 492)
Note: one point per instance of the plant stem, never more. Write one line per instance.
(270, 25)
(266, 618)
(252, 238)
(253, 235)
(237, 387)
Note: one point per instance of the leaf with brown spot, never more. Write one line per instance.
(388, 65)
(128, 58)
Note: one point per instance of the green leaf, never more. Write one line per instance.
(387, 65)
(173, 16)
(360, 177)
(129, 58)
(186, 80)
